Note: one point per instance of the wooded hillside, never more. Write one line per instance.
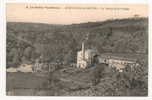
(61, 42)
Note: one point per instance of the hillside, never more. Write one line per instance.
(61, 42)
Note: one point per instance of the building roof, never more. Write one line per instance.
(89, 50)
(119, 57)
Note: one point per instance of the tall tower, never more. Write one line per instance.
(83, 45)
(83, 51)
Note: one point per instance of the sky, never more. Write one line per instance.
(71, 13)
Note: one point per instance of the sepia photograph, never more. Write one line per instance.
(76, 49)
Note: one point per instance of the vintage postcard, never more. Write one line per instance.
(77, 49)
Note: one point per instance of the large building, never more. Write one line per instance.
(90, 57)
(86, 57)
(117, 62)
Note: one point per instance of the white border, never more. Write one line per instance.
(3, 49)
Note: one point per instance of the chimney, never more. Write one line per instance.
(83, 51)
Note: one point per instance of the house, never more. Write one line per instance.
(25, 68)
(22, 68)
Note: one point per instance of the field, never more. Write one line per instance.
(70, 81)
